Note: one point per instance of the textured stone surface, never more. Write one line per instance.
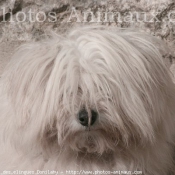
(13, 33)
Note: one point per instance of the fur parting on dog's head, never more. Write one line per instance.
(117, 74)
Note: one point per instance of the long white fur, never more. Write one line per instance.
(118, 73)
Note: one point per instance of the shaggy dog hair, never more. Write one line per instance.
(93, 99)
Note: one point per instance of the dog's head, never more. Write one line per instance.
(93, 90)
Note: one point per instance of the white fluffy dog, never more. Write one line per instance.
(94, 99)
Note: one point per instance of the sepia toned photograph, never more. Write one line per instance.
(87, 87)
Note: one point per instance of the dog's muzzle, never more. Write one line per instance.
(87, 119)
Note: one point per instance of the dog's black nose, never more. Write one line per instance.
(84, 119)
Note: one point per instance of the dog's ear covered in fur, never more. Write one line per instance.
(25, 83)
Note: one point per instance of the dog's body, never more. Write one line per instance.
(96, 99)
